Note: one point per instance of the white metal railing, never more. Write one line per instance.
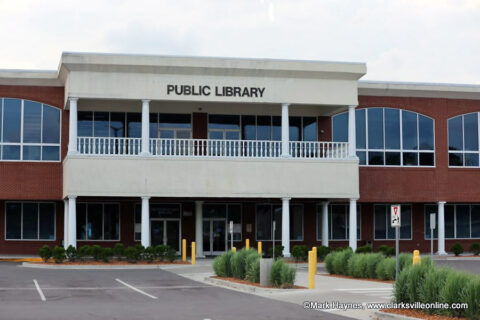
(213, 148)
(109, 146)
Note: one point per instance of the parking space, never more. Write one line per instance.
(471, 265)
(129, 294)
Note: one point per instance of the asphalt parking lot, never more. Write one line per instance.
(27, 293)
(468, 264)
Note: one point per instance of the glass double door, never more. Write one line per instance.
(214, 236)
(167, 232)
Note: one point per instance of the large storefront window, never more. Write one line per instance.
(30, 221)
(383, 229)
(267, 213)
(463, 146)
(462, 221)
(391, 137)
(98, 221)
(29, 131)
(338, 220)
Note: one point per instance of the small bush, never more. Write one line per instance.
(276, 273)
(278, 251)
(471, 296)
(96, 252)
(160, 251)
(221, 265)
(45, 253)
(357, 266)
(342, 248)
(364, 249)
(139, 251)
(453, 289)
(457, 249)
(405, 260)
(171, 254)
(400, 289)
(148, 254)
(58, 254)
(329, 261)
(131, 255)
(340, 263)
(386, 269)
(416, 281)
(252, 267)
(119, 251)
(84, 252)
(300, 252)
(386, 250)
(322, 252)
(107, 254)
(237, 262)
(71, 253)
(433, 284)
(475, 248)
(287, 276)
(373, 259)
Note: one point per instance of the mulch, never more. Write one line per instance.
(112, 262)
(353, 278)
(253, 283)
(419, 314)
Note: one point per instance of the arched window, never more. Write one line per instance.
(463, 147)
(390, 137)
(29, 131)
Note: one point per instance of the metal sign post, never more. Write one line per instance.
(395, 221)
(231, 235)
(432, 227)
(273, 241)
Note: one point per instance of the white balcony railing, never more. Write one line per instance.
(213, 148)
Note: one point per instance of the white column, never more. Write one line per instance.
(65, 224)
(285, 131)
(72, 221)
(145, 222)
(145, 127)
(352, 143)
(72, 131)
(441, 228)
(352, 243)
(325, 223)
(199, 229)
(285, 226)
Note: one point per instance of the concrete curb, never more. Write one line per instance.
(246, 287)
(100, 267)
(380, 315)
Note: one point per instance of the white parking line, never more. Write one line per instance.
(138, 290)
(40, 292)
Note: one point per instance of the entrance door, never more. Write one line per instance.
(166, 232)
(214, 236)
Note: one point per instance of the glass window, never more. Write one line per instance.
(295, 124)
(340, 127)
(30, 221)
(11, 152)
(217, 121)
(85, 124)
(470, 123)
(12, 116)
(360, 129)
(409, 130)
(111, 222)
(172, 120)
(51, 125)
(31, 152)
(392, 129)
(248, 128)
(339, 226)
(81, 221)
(296, 223)
(263, 222)
(449, 221)
(375, 128)
(165, 211)
(310, 130)
(463, 142)
(267, 213)
(138, 222)
(455, 133)
(383, 229)
(276, 128)
(134, 125)
(475, 221)
(117, 125)
(425, 136)
(32, 121)
(234, 213)
(51, 153)
(98, 221)
(462, 221)
(429, 209)
(264, 128)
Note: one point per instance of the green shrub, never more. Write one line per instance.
(416, 281)
(107, 254)
(252, 267)
(364, 249)
(342, 248)
(322, 252)
(357, 266)
(452, 291)
(96, 252)
(433, 284)
(237, 262)
(45, 253)
(131, 254)
(148, 254)
(139, 251)
(287, 276)
(84, 252)
(119, 251)
(161, 251)
(329, 261)
(340, 263)
(300, 252)
(278, 251)
(471, 296)
(400, 288)
(276, 273)
(405, 260)
(58, 254)
(373, 259)
(221, 265)
(71, 253)
(457, 249)
(171, 254)
(386, 269)
(386, 250)
(475, 248)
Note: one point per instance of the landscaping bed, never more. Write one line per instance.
(231, 279)
(353, 278)
(419, 314)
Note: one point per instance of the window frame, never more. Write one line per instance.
(463, 152)
(387, 213)
(401, 150)
(23, 144)
(103, 222)
(454, 221)
(347, 214)
(271, 220)
(166, 203)
(38, 221)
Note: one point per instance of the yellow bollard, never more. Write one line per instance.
(416, 257)
(193, 252)
(259, 244)
(234, 249)
(311, 272)
(184, 250)
(247, 244)
(314, 249)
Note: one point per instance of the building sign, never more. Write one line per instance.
(218, 91)
(395, 215)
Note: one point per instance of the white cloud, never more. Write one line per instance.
(404, 40)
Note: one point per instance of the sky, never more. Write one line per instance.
(400, 40)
